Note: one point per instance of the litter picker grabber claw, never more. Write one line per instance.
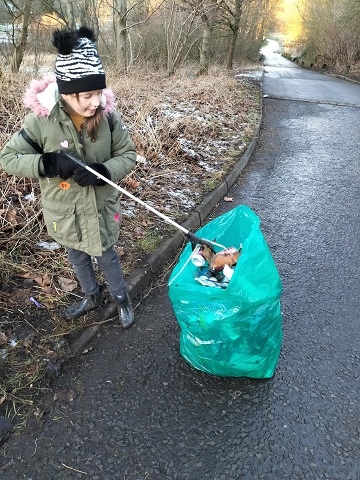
(192, 237)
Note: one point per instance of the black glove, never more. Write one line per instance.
(57, 165)
(84, 178)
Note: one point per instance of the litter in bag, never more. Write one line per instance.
(236, 331)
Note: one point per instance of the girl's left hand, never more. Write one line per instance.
(85, 178)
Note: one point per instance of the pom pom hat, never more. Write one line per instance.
(77, 67)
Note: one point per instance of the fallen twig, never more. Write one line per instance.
(74, 469)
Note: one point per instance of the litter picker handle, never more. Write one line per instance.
(81, 164)
(193, 238)
(75, 160)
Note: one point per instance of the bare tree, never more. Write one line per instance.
(70, 13)
(332, 31)
(180, 25)
(139, 12)
(174, 28)
(208, 11)
(23, 13)
(230, 15)
(121, 34)
(255, 19)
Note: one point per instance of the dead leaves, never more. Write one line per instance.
(120, 251)
(67, 284)
(19, 297)
(131, 183)
(15, 298)
(16, 212)
(43, 281)
(10, 216)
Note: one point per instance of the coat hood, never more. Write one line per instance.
(42, 95)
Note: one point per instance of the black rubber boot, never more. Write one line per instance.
(120, 306)
(89, 302)
(125, 310)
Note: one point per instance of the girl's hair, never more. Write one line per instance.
(92, 124)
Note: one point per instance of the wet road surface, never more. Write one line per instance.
(141, 412)
(285, 79)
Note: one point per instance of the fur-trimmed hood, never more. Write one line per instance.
(42, 95)
(83, 218)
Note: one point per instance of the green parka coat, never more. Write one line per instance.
(83, 218)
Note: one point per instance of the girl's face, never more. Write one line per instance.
(84, 103)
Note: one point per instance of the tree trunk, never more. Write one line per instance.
(231, 51)
(89, 15)
(205, 49)
(20, 44)
(169, 31)
(121, 33)
(70, 14)
(209, 10)
(234, 27)
(84, 16)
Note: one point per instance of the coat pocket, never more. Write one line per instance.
(110, 222)
(61, 221)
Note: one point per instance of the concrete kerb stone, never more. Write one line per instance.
(86, 336)
(140, 278)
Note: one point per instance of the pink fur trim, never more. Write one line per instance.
(31, 100)
(110, 100)
(30, 96)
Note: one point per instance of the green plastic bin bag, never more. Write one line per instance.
(236, 331)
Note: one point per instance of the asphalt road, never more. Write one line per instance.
(285, 79)
(141, 412)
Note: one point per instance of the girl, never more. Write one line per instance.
(74, 112)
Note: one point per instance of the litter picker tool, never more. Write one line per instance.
(192, 237)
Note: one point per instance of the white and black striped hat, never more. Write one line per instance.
(77, 67)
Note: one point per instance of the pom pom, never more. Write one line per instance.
(87, 33)
(65, 41)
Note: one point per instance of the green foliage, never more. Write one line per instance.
(150, 242)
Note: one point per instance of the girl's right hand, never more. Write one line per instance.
(57, 165)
